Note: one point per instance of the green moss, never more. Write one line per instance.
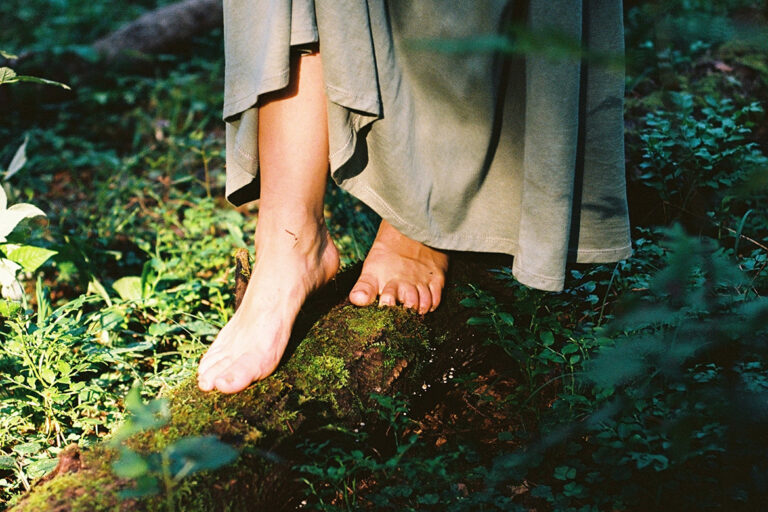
(346, 355)
(369, 321)
(93, 489)
(323, 376)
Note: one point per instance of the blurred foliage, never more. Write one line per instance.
(677, 392)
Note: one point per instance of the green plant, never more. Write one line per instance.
(350, 472)
(179, 460)
(693, 148)
(678, 390)
(9, 76)
(15, 257)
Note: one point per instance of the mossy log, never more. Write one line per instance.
(340, 355)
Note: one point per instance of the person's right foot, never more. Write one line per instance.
(401, 270)
(292, 260)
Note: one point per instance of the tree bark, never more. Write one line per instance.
(163, 30)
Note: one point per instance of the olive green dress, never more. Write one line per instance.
(461, 150)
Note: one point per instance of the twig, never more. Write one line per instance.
(242, 275)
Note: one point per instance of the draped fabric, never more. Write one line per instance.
(469, 149)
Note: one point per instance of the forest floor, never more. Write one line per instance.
(640, 387)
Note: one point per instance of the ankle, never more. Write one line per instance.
(291, 230)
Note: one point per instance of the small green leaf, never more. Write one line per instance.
(130, 464)
(565, 473)
(547, 338)
(48, 375)
(128, 288)
(63, 367)
(7, 462)
(96, 287)
(161, 329)
(27, 448)
(507, 318)
(141, 416)
(30, 257)
(201, 328)
(477, 320)
(7, 76)
(198, 453)
(146, 485)
(570, 348)
(8, 308)
(38, 80)
(40, 468)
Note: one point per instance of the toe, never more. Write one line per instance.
(206, 379)
(388, 295)
(364, 291)
(408, 295)
(208, 360)
(436, 289)
(425, 298)
(235, 378)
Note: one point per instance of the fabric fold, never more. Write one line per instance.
(469, 151)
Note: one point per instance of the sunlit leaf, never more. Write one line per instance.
(7, 75)
(10, 217)
(38, 80)
(27, 448)
(30, 257)
(128, 288)
(19, 159)
(8, 308)
(40, 468)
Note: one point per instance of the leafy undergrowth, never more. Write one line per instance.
(641, 387)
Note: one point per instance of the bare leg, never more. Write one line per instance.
(398, 269)
(294, 252)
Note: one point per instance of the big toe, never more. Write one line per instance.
(364, 291)
(233, 379)
(207, 378)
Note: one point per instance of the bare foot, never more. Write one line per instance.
(400, 270)
(292, 260)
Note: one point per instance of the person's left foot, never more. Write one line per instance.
(290, 264)
(401, 270)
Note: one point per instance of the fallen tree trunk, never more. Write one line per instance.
(162, 29)
(345, 354)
